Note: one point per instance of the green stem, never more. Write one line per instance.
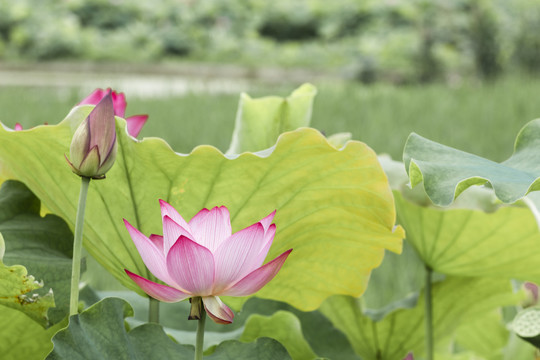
(153, 311)
(77, 248)
(200, 336)
(428, 315)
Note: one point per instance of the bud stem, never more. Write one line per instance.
(77, 248)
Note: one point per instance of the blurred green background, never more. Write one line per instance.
(464, 73)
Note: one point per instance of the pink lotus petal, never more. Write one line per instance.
(168, 210)
(157, 291)
(172, 232)
(258, 278)
(119, 101)
(236, 256)
(268, 240)
(158, 241)
(18, 127)
(268, 220)
(152, 256)
(135, 124)
(211, 228)
(217, 310)
(191, 266)
(94, 97)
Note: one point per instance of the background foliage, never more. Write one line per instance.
(400, 41)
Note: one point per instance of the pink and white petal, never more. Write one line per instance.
(268, 220)
(191, 266)
(152, 256)
(135, 124)
(168, 210)
(158, 241)
(268, 240)
(211, 227)
(236, 257)
(157, 291)
(171, 232)
(254, 281)
(217, 310)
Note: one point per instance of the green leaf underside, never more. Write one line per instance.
(42, 244)
(465, 242)
(99, 333)
(260, 121)
(446, 172)
(322, 196)
(455, 300)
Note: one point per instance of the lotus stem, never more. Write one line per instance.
(428, 314)
(200, 331)
(153, 310)
(77, 248)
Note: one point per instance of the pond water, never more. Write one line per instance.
(138, 85)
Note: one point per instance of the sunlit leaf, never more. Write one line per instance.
(260, 121)
(455, 300)
(446, 172)
(16, 288)
(42, 244)
(322, 195)
(22, 337)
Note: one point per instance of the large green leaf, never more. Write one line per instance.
(467, 242)
(42, 244)
(282, 326)
(99, 332)
(322, 195)
(23, 338)
(312, 328)
(259, 122)
(454, 300)
(446, 172)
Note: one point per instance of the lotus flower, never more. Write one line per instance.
(18, 127)
(134, 123)
(203, 259)
(93, 147)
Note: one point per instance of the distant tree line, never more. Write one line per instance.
(399, 40)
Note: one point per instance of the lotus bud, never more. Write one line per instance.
(93, 147)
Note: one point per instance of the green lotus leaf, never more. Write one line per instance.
(387, 292)
(282, 326)
(446, 172)
(469, 242)
(16, 288)
(322, 195)
(260, 121)
(22, 337)
(455, 300)
(487, 336)
(42, 244)
(99, 332)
